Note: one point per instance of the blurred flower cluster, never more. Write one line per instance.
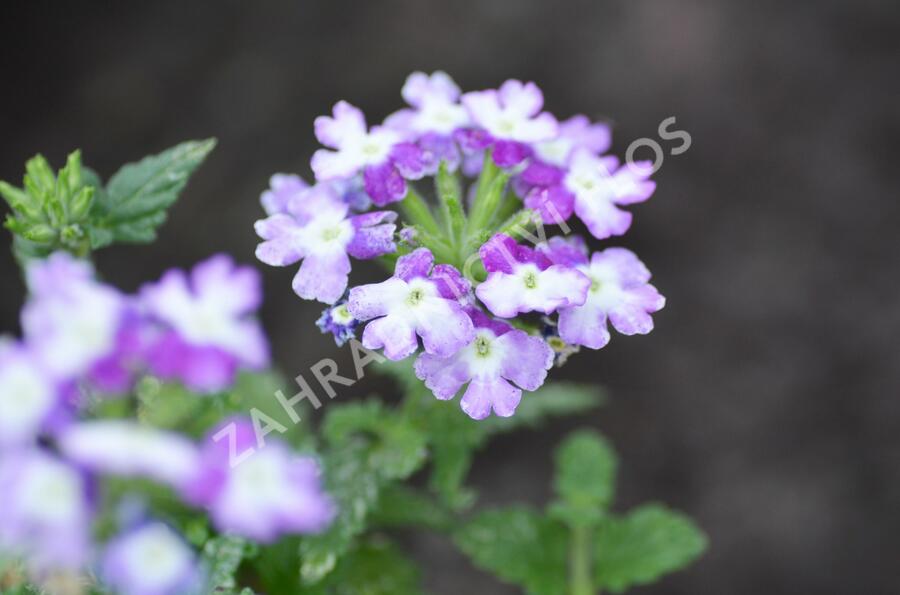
(70, 445)
(484, 302)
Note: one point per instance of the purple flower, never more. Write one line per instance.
(512, 116)
(415, 301)
(521, 279)
(338, 321)
(598, 187)
(44, 511)
(619, 292)
(283, 188)
(271, 492)
(71, 322)
(126, 448)
(499, 355)
(207, 330)
(151, 560)
(436, 108)
(381, 154)
(28, 398)
(575, 133)
(318, 230)
(435, 116)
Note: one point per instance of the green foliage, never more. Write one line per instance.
(644, 545)
(354, 486)
(396, 448)
(51, 211)
(71, 210)
(449, 192)
(520, 546)
(537, 551)
(404, 506)
(222, 556)
(585, 478)
(376, 567)
(137, 196)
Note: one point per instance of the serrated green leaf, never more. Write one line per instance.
(519, 546)
(354, 487)
(373, 568)
(585, 478)
(222, 556)
(644, 545)
(138, 195)
(397, 448)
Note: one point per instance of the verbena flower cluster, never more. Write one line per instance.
(476, 305)
(86, 344)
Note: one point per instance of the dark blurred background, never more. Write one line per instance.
(766, 403)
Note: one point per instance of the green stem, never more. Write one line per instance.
(581, 582)
(418, 212)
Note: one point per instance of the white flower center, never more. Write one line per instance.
(484, 356)
(25, 398)
(157, 556)
(341, 315)
(51, 494)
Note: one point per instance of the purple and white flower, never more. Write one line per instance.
(318, 230)
(383, 156)
(420, 299)
(207, 330)
(512, 116)
(620, 292)
(521, 279)
(283, 188)
(28, 397)
(578, 132)
(435, 115)
(497, 365)
(271, 492)
(599, 187)
(45, 511)
(129, 449)
(435, 106)
(71, 322)
(338, 321)
(151, 560)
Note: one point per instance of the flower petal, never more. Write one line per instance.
(443, 376)
(482, 396)
(394, 333)
(323, 277)
(384, 183)
(528, 359)
(346, 124)
(376, 299)
(417, 263)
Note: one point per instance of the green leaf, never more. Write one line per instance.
(519, 546)
(397, 447)
(354, 486)
(449, 193)
(585, 478)
(644, 545)
(554, 399)
(138, 195)
(402, 506)
(489, 195)
(418, 212)
(223, 555)
(374, 568)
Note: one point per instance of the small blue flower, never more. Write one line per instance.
(338, 321)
